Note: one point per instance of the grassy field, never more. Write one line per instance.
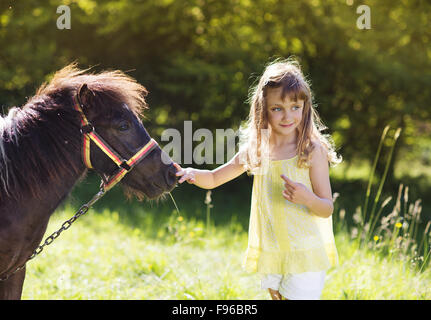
(104, 256)
(150, 251)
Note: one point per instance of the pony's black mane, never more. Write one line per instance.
(38, 146)
(39, 142)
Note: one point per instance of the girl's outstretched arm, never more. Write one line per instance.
(210, 179)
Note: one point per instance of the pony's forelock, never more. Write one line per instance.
(113, 84)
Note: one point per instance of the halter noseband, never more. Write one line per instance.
(124, 166)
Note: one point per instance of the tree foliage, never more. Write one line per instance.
(198, 59)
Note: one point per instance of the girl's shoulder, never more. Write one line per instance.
(319, 153)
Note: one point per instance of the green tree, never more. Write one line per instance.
(198, 59)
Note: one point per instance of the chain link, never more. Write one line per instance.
(66, 225)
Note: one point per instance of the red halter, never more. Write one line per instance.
(124, 166)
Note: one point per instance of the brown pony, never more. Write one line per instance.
(41, 156)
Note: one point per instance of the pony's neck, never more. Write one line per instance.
(40, 162)
(40, 152)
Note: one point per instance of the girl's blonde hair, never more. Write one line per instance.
(254, 136)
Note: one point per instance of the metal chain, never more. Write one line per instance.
(66, 225)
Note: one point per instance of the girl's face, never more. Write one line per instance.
(284, 116)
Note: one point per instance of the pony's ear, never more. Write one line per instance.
(85, 95)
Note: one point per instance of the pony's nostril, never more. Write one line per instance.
(170, 176)
(172, 173)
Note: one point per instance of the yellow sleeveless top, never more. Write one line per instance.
(285, 237)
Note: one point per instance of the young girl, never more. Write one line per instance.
(291, 242)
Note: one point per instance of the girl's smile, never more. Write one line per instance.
(286, 125)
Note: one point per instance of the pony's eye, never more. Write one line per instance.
(124, 126)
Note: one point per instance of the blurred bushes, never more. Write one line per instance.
(198, 59)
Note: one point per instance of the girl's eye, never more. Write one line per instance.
(297, 107)
(276, 109)
(124, 126)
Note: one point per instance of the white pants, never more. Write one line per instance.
(299, 286)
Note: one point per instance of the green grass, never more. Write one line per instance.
(103, 256)
(367, 275)
(152, 252)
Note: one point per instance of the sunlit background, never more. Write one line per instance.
(198, 59)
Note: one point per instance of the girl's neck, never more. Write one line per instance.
(282, 147)
(277, 141)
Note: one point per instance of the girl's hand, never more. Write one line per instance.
(296, 192)
(186, 174)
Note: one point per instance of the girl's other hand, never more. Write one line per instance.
(186, 174)
(295, 192)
